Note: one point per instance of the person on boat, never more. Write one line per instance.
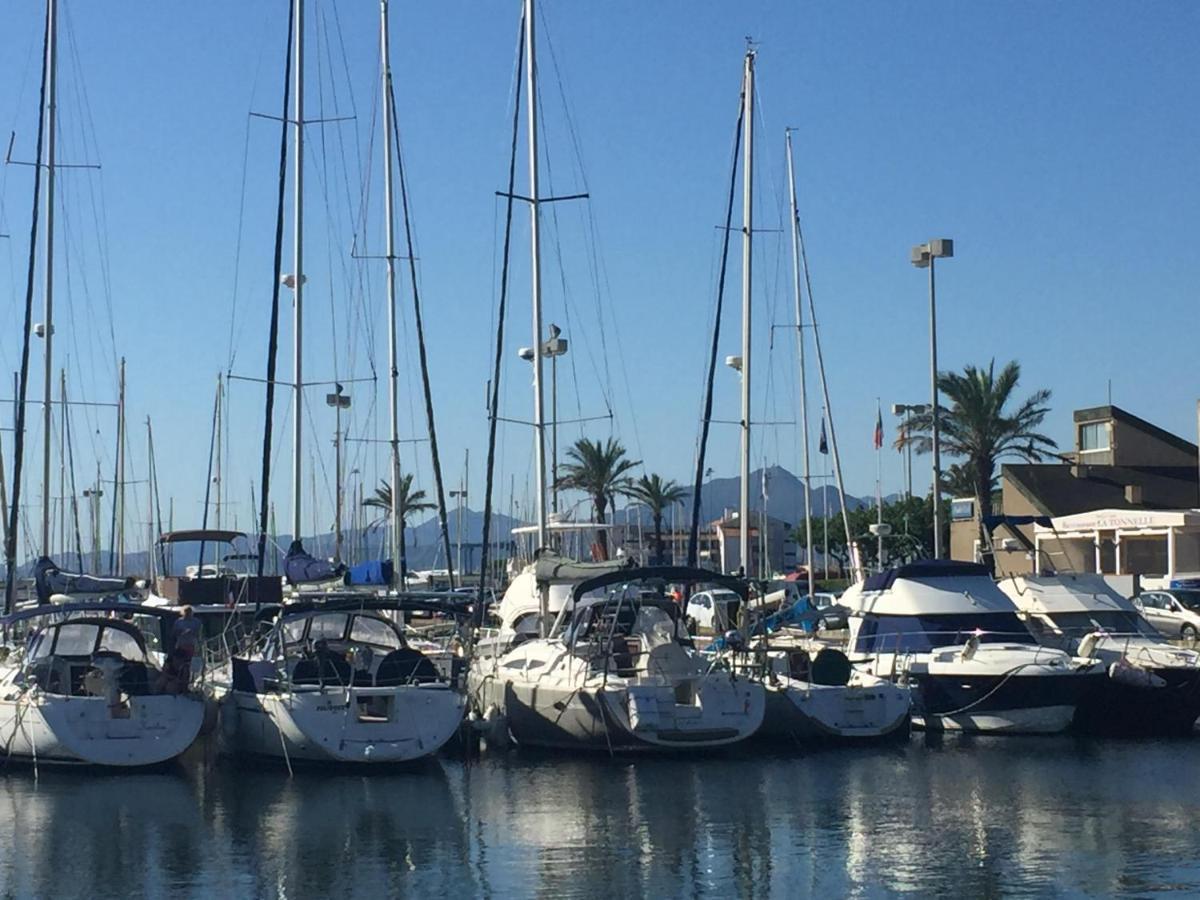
(186, 633)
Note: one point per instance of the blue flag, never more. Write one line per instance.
(822, 444)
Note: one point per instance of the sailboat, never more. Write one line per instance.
(82, 683)
(822, 696)
(336, 679)
(612, 667)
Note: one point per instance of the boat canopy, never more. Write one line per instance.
(667, 574)
(550, 569)
(50, 580)
(1068, 593)
(928, 588)
(216, 535)
(923, 569)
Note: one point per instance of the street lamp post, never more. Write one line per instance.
(923, 256)
(339, 401)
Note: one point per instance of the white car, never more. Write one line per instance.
(715, 611)
(1175, 613)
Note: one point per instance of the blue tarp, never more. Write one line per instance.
(51, 579)
(374, 571)
(302, 567)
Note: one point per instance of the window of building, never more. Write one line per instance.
(1093, 436)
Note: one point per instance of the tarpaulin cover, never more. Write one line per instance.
(373, 571)
(51, 580)
(302, 567)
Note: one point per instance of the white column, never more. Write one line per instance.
(1096, 549)
(1170, 553)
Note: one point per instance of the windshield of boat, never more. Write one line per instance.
(373, 631)
(1116, 621)
(76, 639)
(919, 634)
(1190, 599)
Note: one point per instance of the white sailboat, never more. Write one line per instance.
(93, 683)
(824, 697)
(601, 671)
(336, 680)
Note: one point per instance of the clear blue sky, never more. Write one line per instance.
(1056, 143)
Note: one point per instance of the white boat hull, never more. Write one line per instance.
(802, 710)
(53, 729)
(326, 724)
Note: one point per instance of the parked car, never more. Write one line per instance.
(832, 616)
(1176, 613)
(715, 610)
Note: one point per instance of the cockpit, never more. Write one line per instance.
(65, 657)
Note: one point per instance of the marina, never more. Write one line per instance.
(564, 557)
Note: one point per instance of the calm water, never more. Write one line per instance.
(968, 817)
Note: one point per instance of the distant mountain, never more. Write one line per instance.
(785, 496)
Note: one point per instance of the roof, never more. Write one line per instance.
(957, 590)
(1056, 490)
(1051, 594)
(1099, 413)
(672, 574)
(216, 535)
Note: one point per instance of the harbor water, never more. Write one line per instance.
(965, 816)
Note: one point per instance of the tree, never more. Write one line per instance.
(977, 426)
(410, 502)
(598, 470)
(657, 496)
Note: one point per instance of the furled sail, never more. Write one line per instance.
(301, 567)
(52, 580)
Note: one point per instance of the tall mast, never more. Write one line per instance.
(747, 272)
(119, 487)
(150, 536)
(808, 533)
(217, 468)
(398, 575)
(535, 275)
(298, 274)
(51, 114)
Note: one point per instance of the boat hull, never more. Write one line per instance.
(1036, 703)
(803, 711)
(1113, 708)
(619, 717)
(84, 731)
(363, 726)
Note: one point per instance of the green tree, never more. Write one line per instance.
(980, 426)
(600, 471)
(410, 502)
(657, 496)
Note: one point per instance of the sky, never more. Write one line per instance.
(1055, 143)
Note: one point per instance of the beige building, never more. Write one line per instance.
(1120, 463)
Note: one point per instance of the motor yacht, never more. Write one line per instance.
(1153, 687)
(945, 629)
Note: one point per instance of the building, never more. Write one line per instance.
(1120, 464)
(768, 535)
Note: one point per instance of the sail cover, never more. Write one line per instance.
(302, 567)
(52, 580)
(373, 571)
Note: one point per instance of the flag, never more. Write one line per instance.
(879, 429)
(903, 436)
(822, 444)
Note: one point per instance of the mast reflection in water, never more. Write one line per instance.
(966, 817)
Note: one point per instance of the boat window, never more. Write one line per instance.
(293, 631)
(655, 625)
(38, 646)
(76, 639)
(122, 642)
(369, 630)
(1112, 620)
(919, 634)
(327, 626)
(151, 629)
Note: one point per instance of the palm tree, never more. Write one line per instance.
(410, 502)
(599, 471)
(657, 496)
(977, 427)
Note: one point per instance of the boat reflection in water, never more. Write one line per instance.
(953, 814)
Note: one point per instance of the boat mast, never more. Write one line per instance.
(747, 272)
(535, 275)
(399, 575)
(120, 485)
(298, 274)
(808, 533)
(51, 113)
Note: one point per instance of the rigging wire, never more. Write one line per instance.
(694, 535)
(273, 339)
(493, 413)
